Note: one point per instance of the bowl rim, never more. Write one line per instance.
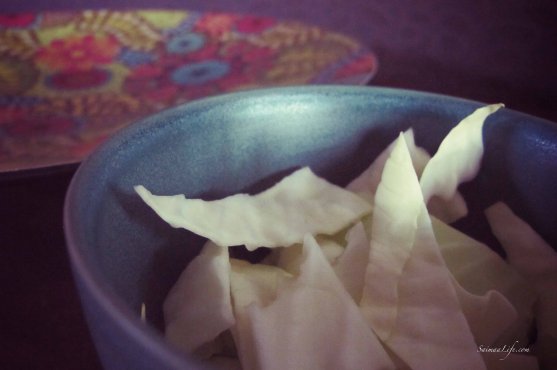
(120, 313)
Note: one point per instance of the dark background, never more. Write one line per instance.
(491, 51)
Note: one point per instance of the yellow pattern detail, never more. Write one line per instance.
(92, 105)
(289, 34)
(47, 35)
(130, 29)
(299, 63)
(8, 80)
(342, 41)
(20, 44)
(164, 19)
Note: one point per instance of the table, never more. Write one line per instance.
(491, 51)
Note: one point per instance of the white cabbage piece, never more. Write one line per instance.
(458, 158)
(279, 216)
(397, 203)
(349, 261)
(314, 323)
(350, 266)
(288, 258)
(366, 183)
(408, 297)
(488, 315)
(368, 180)
(330, 248)
(479, 270)
(198, 308)
(252, 284)
(221, 347)
(449, 210)
(431, 324)
(536, 260)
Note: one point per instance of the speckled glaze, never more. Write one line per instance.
(123, 255)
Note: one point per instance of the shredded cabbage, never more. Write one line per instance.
(458, 158)
(536, 260)
(280, 216)
(363, 277)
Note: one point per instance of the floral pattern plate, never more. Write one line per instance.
(68, 80)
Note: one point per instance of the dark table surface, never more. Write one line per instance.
(486, 50)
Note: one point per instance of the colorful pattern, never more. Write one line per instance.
(68, 80)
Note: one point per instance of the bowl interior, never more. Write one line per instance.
(246, 141)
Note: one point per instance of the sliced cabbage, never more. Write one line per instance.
(449, 210)
(330, 248)
(408, 298)
(280, 216)
(252, 284)
(537, 262)
(350, 266)
(479, 270)
(314, 323)
(488, 315)
(290, 258)
(432, 330)
(398, 201)
(347, 288)
(458, 158)
(349, 260)
(366, 183)
(197, 309)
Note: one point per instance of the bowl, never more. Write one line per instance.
(123, 255)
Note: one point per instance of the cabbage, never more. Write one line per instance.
(448, 210)
(536, 260)
(198, 308)
(363, 277)
(252, 284)
(458, 158)
(479, 270)
(351, 265)
(314, 323)
(408, 298)
(397, 203)
(280, 216)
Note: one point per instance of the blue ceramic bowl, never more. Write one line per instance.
(122, 254)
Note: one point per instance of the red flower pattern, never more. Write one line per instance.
(79, 53)
(253, 24)
(9, 114)
(20, 20)
(249, 52)
(246, 60)
(215, 24)
(30, 125)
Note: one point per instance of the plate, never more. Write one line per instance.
(69, 80)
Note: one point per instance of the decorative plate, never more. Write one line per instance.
(68, 80)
